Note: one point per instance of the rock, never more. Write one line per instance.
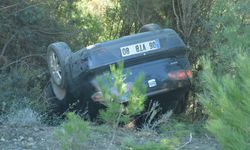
(20, 138)
(36, 129)
(2, 139)
(30, 139)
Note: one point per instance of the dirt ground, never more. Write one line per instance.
(15, 137)
(40, 137)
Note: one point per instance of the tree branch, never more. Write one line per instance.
(189, 141)
(21, 59)
(7, 7)
(177, 19)
(34, 5)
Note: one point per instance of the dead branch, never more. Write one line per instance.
(34, 5)
(3, 59)
(139, 17)
(189, 141)
(177, 18)
(187, 15)
(21, 59)
(164, 118)
(7, 7)
(6, 44)
(55, 33)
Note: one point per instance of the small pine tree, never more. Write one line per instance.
(227, 101)
(226, 76)
(73, 133)
(115, 91)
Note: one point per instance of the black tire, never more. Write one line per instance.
(181, 105)
(150, 27)
(56, 57)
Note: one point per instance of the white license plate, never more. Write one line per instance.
(140, 48)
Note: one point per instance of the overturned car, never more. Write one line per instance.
(160, 54)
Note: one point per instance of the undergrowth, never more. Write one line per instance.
(164, 144)
(21, 88)
(73, 133)
(226, 100)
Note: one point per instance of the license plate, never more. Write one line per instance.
(140, 48)
(152, 83)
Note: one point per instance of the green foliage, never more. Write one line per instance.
(29, 26)
(73, 133)
(77, 15)
(177, 128)
(21, 87)
(230, 32)
(115, 91)
(164, 144)
(226, 99)
(26, 28)
(134, 14)
(226, 75)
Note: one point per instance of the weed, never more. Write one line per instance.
(163, 144)
(25, 116)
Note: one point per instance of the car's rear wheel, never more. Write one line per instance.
(57, 55)
(150, 27)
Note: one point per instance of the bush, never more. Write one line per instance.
(20, 88)
(230, 33)
(73, 133)
(226, 77)
(115, 91)
(226, 99)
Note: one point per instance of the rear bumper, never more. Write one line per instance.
(180, 88)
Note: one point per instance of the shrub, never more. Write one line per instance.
(115, 90)
(73, 133)
(226, 76)
(230, 33)
(20, 88)
(226, 99)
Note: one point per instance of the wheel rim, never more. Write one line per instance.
(55, 68)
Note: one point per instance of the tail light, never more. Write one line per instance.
(189, 73)
(180, 75)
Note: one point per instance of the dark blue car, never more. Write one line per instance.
(160, 54)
